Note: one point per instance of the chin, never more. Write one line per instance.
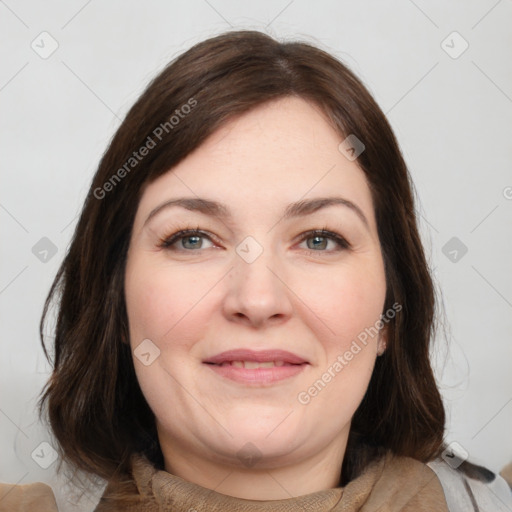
(263, 453)
(271, 440)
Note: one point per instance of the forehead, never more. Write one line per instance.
(276, 154)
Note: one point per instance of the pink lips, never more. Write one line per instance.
(231, 364)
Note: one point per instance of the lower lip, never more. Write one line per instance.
(258, 375)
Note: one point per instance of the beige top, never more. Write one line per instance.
(391, 484)
(37, 497)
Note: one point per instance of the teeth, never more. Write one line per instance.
(251, 365)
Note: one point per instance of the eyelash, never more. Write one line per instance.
(168, 241)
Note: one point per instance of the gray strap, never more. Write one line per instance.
(469, 495)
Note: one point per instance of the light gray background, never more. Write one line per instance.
(452, 116)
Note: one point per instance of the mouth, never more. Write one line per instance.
(256, 367)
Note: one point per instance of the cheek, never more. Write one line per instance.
(349, 304)
(164, 306)
(345, 302)
(159, 300)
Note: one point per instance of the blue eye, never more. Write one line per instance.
(190, 239)
(321, 238)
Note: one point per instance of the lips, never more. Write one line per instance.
(278, 357)
(256, 368)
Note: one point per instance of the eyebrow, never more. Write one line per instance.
(293, 210)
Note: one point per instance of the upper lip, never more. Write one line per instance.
(259, 356)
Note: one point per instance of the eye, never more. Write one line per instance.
(191, 239)
(320, 239)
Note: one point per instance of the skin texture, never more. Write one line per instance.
(308, 296)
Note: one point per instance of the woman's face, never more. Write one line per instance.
(256, 280)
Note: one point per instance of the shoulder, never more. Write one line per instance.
(405, 483)
(469, 487)
(37, 497)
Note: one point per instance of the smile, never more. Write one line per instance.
(257, 368)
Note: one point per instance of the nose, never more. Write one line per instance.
(257, 292)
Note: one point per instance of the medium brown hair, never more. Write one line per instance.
(94, 404)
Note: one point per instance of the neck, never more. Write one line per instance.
(267, 480)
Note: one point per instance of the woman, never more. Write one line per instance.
(246, 310)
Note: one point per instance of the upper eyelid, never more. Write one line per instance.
(183, 233)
